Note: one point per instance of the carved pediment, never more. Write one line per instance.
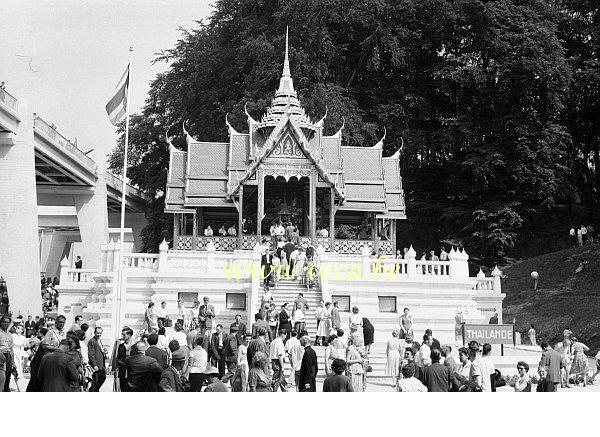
(287, 147)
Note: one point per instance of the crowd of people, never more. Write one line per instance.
(198, 354)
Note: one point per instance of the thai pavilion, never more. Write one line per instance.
(284, 169)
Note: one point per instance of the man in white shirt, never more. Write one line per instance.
(193, 313)
(161, 314)
(208, 232)
(295, 353)
(443, 254)
(279, 231)
(423, 358)
(478, 379)
(231, 231)
(488, 366)
(276, 355)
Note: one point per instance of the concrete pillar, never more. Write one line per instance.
(19, 238)
(56, 246)
(92, 218)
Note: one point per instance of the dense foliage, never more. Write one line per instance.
(496, 102)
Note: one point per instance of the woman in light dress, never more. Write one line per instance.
(355, 362)
(458, 321)
(408, 382)
(299, 265)
(332, 353)
(393, 356)
(19, 342)
(579, 367)
(564, 349)
(324, 329)
(355, 321)
(531, 333)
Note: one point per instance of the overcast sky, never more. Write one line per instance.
(79, 50)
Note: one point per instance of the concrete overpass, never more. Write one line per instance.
(55, 201)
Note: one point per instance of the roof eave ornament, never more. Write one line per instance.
(379, 145)
(338, 134)
(250, 119)
(399, 151)
(189, 138)
(232, 131)
(321, 122)
(172, 148)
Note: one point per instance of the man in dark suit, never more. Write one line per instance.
(552, 360)
(289, 247)
(217, 349)
(143, 372)
(449, 360)
(265, 264)
(258, 344)
(241, 328)
(205, 315)
(437, 377)
(435, 343)
(170, 380)
(57, 370)
(97, 360)
(230, 354)
(30, 327)
(260, 323)
(308, 368)
(155, 352)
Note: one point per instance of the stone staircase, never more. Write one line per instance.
(287, 291)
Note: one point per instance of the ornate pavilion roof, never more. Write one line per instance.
(285, 141)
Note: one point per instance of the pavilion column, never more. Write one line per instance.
(260, 208)
(240, 218)
(175, 229)
(393, 235)
(374, 231)
(313, 207)
(194, 230)
(200, 222)
(332, 219)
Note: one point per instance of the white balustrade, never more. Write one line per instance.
(437, 268)
(140, 261)
(80, 275)
(485, 284)
(187, 261)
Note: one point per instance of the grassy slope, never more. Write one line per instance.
(563, 300)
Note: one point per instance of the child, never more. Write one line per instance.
(597, 367)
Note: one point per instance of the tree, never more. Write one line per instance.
(474, 90)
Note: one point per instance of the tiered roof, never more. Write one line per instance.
(211, 173)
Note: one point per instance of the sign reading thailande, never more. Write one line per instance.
(493, 334)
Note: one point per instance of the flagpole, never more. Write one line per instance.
(120, 284)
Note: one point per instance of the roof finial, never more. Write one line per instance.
(286, 61)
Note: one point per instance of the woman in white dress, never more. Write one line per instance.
(393, 357)
(331, 353)
(324, 329)
(355, 321)
(299, 265)
(19, 342)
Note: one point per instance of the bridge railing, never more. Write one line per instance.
(9, 100)
(117, 183)
(52, 134)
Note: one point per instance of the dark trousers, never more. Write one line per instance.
(231, 368)
(219, 363)
(197, 381)
(98, 379)
(278, 379)
(299, 327)
(8, 367)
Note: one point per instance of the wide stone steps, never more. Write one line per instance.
(287, 291)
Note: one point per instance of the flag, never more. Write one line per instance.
(117, 106)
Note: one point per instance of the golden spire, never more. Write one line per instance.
(286, 84)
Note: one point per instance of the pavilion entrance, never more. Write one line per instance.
(286, 202)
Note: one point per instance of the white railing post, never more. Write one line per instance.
(103, 257)
(497, 284)
(64, 274)
(210, 258)
(163, 253)
(464, 263)
(411, 260)
(110, 256)
(365, 254)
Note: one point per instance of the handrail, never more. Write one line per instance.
(63, 142)
(9, 100)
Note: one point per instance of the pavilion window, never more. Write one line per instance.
(343, 302)
(387, 304)
(235, 301)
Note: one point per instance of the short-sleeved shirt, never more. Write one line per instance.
(277, 349)
(480, 368)
(6, 341)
